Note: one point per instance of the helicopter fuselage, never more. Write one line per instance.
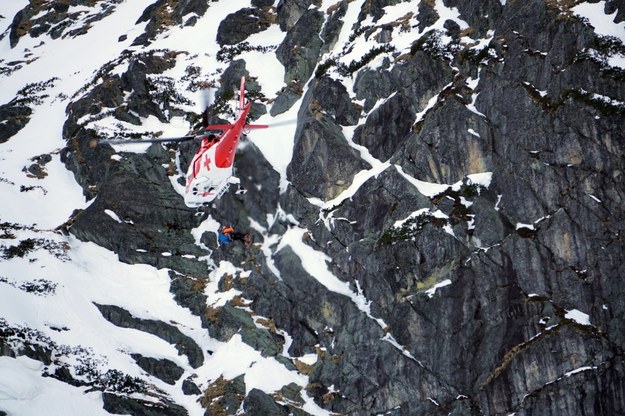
(208, 175)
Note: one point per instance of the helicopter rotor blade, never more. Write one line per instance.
(96, 142)
(283, 122)
(205, 118)
(208, 99)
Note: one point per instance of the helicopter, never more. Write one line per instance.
(210, 172)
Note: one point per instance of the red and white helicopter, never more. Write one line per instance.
(210, 171)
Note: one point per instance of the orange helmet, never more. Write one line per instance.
(226, 230)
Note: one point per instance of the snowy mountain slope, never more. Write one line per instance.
(438, 233)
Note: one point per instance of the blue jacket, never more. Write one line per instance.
(224, 239)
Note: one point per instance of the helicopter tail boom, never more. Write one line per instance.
(242, 94)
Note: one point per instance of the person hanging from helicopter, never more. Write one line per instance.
(227, 235)
(210, 141)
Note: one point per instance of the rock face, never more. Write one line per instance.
(240, 25)
(171, 334)
(478, 264)
(16, 117)
(163, 369)
(56, 18)
(127, 406)
(163, 14)
(322, 157)
(301, 47)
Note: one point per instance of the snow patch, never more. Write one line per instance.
(431, 291)
(24, 392)
(578, 316)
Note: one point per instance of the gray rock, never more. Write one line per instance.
(333, 99)
(54, 18)
(301, 47)
(332, 27)
(184, 344)
(231, 81)
(428, 155)
(617, 6)
(189, 388)
(224, 396)
(163, 369)
(391, 124)
(258, 402)
(238, 26)
(375, 9)
(427, 15)
(161, 14)
(129, 188)
(263, 341)
(14, 119)
(285, 99)
(230, 321)
(122, 405)
(188, 292)
(323, 162)
(388, 198)
(373, 85)
(262, 3)
(289, 12)
(387, 127)
(480, 15)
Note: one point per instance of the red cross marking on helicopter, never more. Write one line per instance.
(207, 163)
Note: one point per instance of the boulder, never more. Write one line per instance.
(184, 344)
(123, 405)
(285, 99)
(238, 26)
(15, 118)
(162, 14)
(323, 162)
(162, 369)
(301, 47)
(189, 388)
(258, 402)
(289, 12)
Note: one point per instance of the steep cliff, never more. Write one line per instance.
(439, 232)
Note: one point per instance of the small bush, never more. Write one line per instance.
(32, 93)
(432, 44)
(603, 105)
(20, 250)
(228, 53)
(406, 231)
(323, 67)
(39, 287)
(368, 57)
(348, 70)
(359, 31)
(163, 90)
